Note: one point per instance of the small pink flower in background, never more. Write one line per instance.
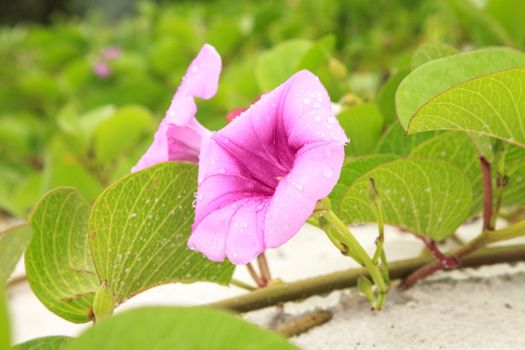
(111, 53)
(101, 69)
(180, 135)
(261, 176)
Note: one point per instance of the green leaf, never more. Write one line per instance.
(280, 62)
(429, 52)
(364, 286)
(103, 303)
(363, 124)
(13, 242)
(177, 328)
(492, 105)
(395, 141)
(120, 132)
(457, 149)
(352, 170)
(481, 26)
(424, 196)
(55, 342)
(5, 332)
(514, 191)
(509, 13)
(58, 263)
(437, 78)
(139, 227)
(386, 100)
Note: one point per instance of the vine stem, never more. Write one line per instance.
(283, 292)
(484, 239)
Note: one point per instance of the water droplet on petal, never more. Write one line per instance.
(195, 69)
(328, 172)
(332, 120)
(259, 206)
(307, 101)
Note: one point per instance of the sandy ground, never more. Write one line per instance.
(467, 309)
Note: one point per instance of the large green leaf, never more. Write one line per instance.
(492, 105)
(55, 342)
(13, 242)
(58, 263)
(425, 196)
(395, 141)
(277, 64)
(177, 328)
(456, 148)
(432, 79)
(351, 171)
(139, 228)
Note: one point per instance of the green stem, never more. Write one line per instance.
(284, 292)
(348, 239)
(241, 284)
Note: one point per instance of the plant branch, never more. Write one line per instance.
(280, 293)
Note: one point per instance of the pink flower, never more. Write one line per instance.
(261, 176)
(101, 69)
(111, 53)
(180, 135)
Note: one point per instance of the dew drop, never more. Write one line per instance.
(132, 215)
(195, 69)
(307, 101)
(332, 120)
(328, 172)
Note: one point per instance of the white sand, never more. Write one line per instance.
(481, 309)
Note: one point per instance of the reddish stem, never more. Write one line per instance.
(264, 268)
(258, 280)
(447, 262)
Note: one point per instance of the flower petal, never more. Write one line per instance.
(180, 135)
(315, 172)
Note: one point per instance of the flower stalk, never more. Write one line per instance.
(345, 241)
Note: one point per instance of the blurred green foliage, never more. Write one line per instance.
(61, 124)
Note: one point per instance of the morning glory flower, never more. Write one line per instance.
(180, 135)
(261, 176)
